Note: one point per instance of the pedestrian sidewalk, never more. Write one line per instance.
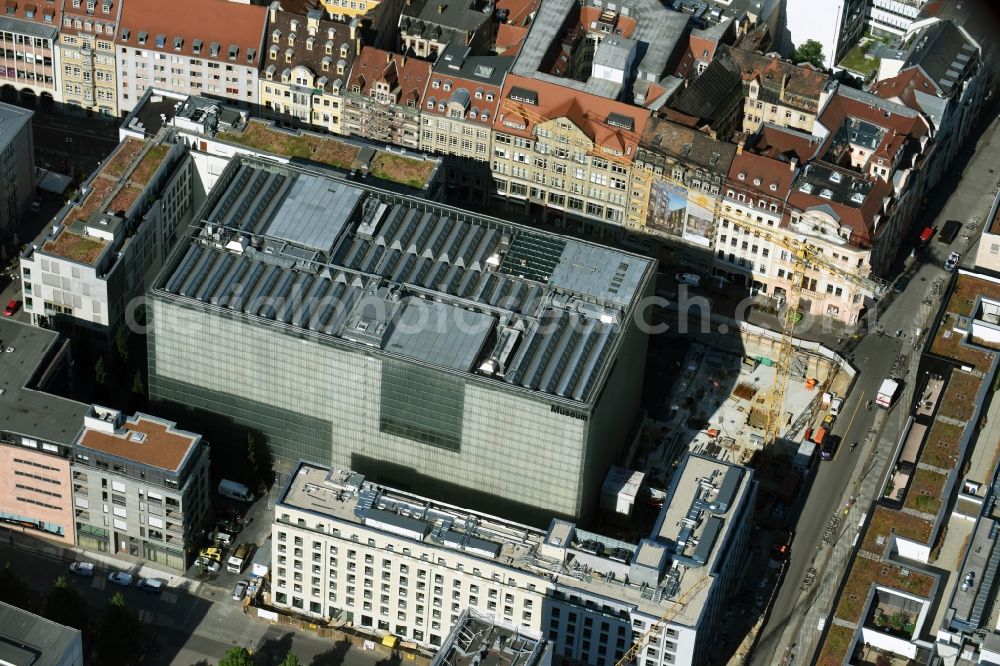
(132, 565)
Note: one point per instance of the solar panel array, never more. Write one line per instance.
(422, 250)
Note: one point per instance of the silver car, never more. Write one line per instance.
(239, 590)
(82, 568)
(120, 578)
(952, 262)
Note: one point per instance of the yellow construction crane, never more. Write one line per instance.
(803, 257)
(658, 626)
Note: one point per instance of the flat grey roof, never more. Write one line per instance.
(27, 639)
(314, 212)
(555, 306)
(658, 29)
(31, 28)
(440, 333)
(12, 120)
(25, 411)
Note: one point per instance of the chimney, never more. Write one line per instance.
(739, 147)
(784, 82)
(441, 9)
(275, 6)
(792, 164)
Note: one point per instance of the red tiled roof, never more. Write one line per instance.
(162, 446)
(859, 218)
(759, 174)
(39, 9)
(518, 11)
(407, 76)
(231, 24)
(97, 18)
(902, 88)
(588, 112)
(510, 37)
(777, 143)
(481, 104)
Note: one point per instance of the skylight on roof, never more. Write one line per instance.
(826, 194)
(806, 187)
(484, 71)
(836, 177)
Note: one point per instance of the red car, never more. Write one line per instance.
(11, 308)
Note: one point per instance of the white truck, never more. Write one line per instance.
(236, 491)
(887, 393)
(803, 460)
(238, 560)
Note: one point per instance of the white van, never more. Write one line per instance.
(236, 491)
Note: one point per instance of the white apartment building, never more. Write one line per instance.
(390, 562)
(835, 25)
(170, 46)
(107, 244)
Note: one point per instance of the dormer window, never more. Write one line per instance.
(479, 93)
(329, 48)
(78, 24)
(435, 84)
(125, 33)
(161, 41)
(288, 55)
(68, 22)
(233, 51)
(430, 104)
(213, 49)
(447, 85)
(273, 53)
(341, 66)
(774, 187)
(489, 97)
(441, 107)
(143, 36)
(196, 46)
(343, 50)
(106, 8)
(291, 39)
(178, 43)
(741, 176)
(485, 116)
(309, 44)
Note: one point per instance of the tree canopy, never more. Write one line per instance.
(237, 656)
(809, 51)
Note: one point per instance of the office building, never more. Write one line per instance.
(140, 488)
(462, 101)
(29, 639)
(837, 26)
(406, 339)
(17, 159)
(104, 247)
(87, 55)
(477, 634)
(37, 432)
(306, 68)
(173, 47)
(28, 68)
(891, 19)
(389, 561)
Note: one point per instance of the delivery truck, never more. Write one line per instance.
(887, 393)
(239, 559)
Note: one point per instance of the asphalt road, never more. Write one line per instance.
(957, 198)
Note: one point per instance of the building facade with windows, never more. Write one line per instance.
(414, 341)
(306, 68)
(140, 488)
(28, 69)
(87, 271)
(170, 46)
(87, 55)
(565, 155)
(383, 98)
(387, 560)
(457, 116)
(17, 161)
(426, 27)
(37, 433)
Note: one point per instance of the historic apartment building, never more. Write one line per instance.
(172, 47)
(426, 27)
(87, 55)
(306, 67)
(140, 488)
(457, 117)
(383, 98)
(28, 67)
(383, 559)
(563, 154)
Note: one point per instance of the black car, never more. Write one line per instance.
(901, 285)
(829, 447)
(949, 231)
(228, 525)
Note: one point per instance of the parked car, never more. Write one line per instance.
(969, 581)
(688, 278)
(229, 525)
(120, 578)
(949, 231)
(12, 307)
(829, 448)
(836, 405)
(223, 538)
(151, 585)
(35, 206)
(952, 262)
(900, 286)
(239, 590)
(829, 420)
(210, 566)
(82, 568)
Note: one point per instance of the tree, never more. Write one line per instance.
(121, 636)
(64, 605)
(14, 590)
(811, 51)
(237, 656)
(138, 387)
(121, 342)
(291, 659)
(100, 371)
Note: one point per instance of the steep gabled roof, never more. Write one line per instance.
(407, 76)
